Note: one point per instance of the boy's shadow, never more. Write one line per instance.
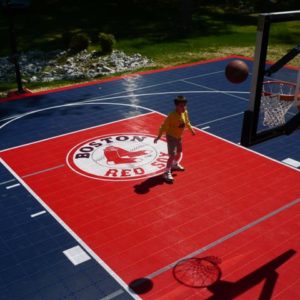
(145, 186)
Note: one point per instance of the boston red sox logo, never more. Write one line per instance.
(119, 157)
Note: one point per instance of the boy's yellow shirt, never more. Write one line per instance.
(175, 123)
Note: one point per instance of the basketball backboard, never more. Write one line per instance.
(254, 130)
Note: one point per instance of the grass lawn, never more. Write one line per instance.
(214, 33)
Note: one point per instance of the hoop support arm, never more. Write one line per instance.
(283, 61)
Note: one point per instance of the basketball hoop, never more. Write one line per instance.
(277, 98)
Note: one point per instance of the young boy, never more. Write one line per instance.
(174, 126)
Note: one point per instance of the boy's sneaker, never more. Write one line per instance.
(178, 167)
(168, 176)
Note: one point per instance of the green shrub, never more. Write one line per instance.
(107, 42)
(79, 42)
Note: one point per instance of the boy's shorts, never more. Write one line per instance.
(174, 145)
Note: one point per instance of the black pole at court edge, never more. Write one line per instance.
(14, 58)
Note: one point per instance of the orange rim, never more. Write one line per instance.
(283, 97)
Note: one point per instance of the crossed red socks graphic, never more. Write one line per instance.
(118, 155)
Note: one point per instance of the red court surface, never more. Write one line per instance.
(140, 226)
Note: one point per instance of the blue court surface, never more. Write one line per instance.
(34, 263)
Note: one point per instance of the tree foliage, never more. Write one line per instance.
(154, 21)
(170, 6)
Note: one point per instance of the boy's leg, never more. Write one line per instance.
(168, 174)
(170, 162)
(177, 158)
(172, 153)
(176, 166)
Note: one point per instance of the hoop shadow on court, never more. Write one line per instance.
(198, 272)
(226, 290)
(205, 273)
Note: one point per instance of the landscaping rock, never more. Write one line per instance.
(38, 66)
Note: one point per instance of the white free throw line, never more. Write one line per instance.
(204, 128)
(226, 237)
(12, 186)
(38, 214)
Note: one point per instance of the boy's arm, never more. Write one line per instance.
(163, 128)
(188, 124)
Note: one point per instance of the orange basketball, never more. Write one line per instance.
(236, 71)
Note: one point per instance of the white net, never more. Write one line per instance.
(277, 98)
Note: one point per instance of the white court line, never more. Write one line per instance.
(12, 186)
(10, 117)
(108, 97)
(8, 181)
(226, 237)
(35, 173)
(204, 128)
(120, 97)
(64, 105)
(163, 83)
(80, 130)
(72, 233)
(43, 171)
(38, 214)
(228, 93)
(113, 295)
(208, 91)
(219, 119)
(158, 84)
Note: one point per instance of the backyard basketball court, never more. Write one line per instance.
(85, 213)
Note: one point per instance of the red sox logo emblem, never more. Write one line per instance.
(119, 157)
